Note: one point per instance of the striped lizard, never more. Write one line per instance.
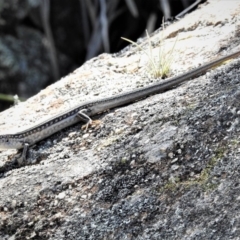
(83, 111)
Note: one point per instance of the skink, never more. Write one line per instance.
(85, 110)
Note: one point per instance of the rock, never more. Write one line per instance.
(172, 172)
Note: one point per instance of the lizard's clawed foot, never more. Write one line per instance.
(93, 124)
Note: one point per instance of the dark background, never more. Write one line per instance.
(43, 40)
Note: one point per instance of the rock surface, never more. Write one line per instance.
(162, 168)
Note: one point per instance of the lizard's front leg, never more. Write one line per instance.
(82, 114)
(23, 157)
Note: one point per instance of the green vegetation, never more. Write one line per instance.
(10, 98)
(158, 66)
(202, 181)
